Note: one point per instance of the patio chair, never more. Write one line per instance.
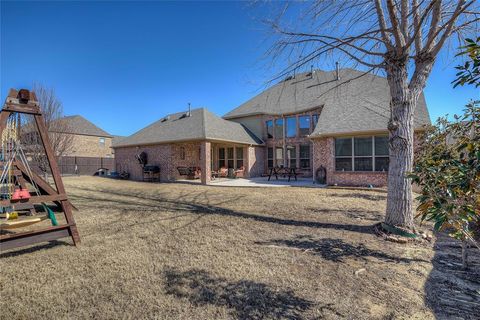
(190, 172)
(240, 173)
(223, 172)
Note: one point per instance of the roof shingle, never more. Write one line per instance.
(356, 102)
(201, 125)
(79, 125)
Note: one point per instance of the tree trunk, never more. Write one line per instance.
(400, 197)
(464, 254)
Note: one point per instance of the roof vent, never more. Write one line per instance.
(166, 118)
(288, 78)
(183, 116)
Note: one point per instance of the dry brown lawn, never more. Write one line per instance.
(179, 251)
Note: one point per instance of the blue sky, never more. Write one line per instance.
(123, 65)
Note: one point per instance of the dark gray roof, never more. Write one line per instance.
(357, 102)
(79, 125)
(201, 125)
(116, 139)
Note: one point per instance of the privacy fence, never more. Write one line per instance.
(84, 165)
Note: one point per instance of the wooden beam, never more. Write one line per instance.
(28, 109)
(14, 240)
(35, 199)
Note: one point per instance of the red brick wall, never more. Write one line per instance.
(167, 156)
(324, 155)
(256, 161)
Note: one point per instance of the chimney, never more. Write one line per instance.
(337, 71)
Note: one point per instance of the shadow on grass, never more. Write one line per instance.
(244, 299)
(201, 204)
(336, 250)
(451, 291)
(374, 197)
(35, 248)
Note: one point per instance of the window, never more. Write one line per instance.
(239, 152)
(292, 156)
(381, 153)
(305, 156)
(303, 125)
(182, 153)
(269, 125)
(221, 157)
(314, 120)
(230, 160)
(279, 157)
(101, 142)
(361, 154)
(270, 157)
(279, 129)
(291, 127)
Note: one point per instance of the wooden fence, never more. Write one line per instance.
(84, 165)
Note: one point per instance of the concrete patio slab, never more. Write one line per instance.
(263, 182)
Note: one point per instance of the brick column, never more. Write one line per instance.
(205, 159)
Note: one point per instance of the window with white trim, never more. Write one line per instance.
(270, 157)
(239, 156)
(269, 125)
(292, 156)
(305, 156)
(366, 153)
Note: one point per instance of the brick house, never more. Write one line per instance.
(195, 138)
(88, 140)
(334, 122)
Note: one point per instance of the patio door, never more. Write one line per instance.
(279, 160)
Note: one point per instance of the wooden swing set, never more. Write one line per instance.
(24, 194)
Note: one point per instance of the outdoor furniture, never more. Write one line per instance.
(151, 173)
(282, 172)
(223, 172)
(191, 172)
(240, 173)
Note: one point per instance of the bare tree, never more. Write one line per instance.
(58, 129)
(401, 38)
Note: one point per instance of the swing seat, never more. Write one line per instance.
(20, 222)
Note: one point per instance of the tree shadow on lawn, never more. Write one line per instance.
(451, 291)
(374, 197)
(245, 299)
(335, 250)
(187, 203)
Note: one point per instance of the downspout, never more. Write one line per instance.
(313, 160)
(284, 142)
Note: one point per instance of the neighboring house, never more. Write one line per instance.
(88, 140)
(336, 121)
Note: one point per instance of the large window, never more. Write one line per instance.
(304, 156)
(230, 159)
(279, 129)
(239, 152)
(270, 157)
(269, 125)
(221, 157)
(279, 157)
(381, 153)
(303, 125)
(361, 154)
(291, 127)
(292, 156)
